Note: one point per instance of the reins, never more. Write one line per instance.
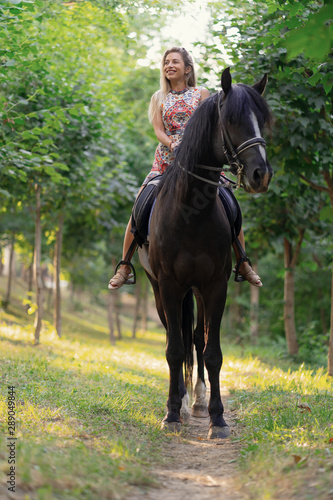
(231, 154)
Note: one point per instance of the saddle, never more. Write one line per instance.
(144, 204)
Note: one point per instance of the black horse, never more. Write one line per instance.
(190, 236)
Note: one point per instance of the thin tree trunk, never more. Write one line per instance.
(330, 345)
(144, 308)
(289, 312)
(235, 311)
(37, 267)
(117, 307)
(137, 308)
(329, 181)
(110, 308)
(117, 314)
(1, 263)
(254, 314)
(290, 260)
(30, 279)
(57, 267)
(10, 272)
(328, 176)
(321, 295)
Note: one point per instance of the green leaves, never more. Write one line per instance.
(315, 38)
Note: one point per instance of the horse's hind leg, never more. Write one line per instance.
(214, 306)
(199, 406)
(158, 301)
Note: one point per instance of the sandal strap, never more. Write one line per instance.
(129, 264)
(239, 277)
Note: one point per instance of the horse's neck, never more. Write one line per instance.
(202, 188)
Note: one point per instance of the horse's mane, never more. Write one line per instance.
(197, 144)
(240, 101)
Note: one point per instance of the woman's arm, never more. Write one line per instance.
(204, 94)
(160, 131)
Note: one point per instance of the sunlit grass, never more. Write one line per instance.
(88, 414)
(285, 426)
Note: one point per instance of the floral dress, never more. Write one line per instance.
(176, 108)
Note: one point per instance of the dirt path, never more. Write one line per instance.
(197, 468)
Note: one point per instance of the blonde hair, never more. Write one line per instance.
(165, 87)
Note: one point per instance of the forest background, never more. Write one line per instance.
(76, 79)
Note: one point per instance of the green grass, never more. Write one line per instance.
(88, 413)
(285, 426)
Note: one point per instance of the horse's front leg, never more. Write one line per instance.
(175, 353)
(199, 406)
(214, 306)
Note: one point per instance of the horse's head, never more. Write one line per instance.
(243, 113)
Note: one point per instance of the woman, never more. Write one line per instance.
(169, 110)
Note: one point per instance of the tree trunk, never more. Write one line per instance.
(10, 272)
(328, 176)
(289, 293)
(57, 267)
(137, 308)
(117, 307)
(329, 181)
(289, 312)
(1, 262)
(111, 301)
(234, 316)
(144, 308)
(37, 266)
(330, 345)
(254, 314)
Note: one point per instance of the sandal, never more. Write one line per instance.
(248, 275)
(122, 276)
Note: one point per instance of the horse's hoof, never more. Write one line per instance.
(171, 426)
(216, 432)
(199, 411)
(185, 414)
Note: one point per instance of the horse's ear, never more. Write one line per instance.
(226, 80)
(260, 86)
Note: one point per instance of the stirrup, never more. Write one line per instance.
(131, 281)
(238, 277)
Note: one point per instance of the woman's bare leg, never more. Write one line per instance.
(124, 272)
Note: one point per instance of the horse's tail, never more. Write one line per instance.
(188, 331)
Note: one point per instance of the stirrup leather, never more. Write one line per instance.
(131, 281)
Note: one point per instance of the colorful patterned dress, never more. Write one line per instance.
(177, 108)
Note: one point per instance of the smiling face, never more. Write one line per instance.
(174, 68)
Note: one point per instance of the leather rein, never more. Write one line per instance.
(235, 166)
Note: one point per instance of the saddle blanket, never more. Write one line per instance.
(144, 204)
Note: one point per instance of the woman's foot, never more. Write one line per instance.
(246, 271)
(123, 274)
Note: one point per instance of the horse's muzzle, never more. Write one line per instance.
(258, 180)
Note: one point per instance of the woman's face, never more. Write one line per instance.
(174, 67)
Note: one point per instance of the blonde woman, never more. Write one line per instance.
(169, 110)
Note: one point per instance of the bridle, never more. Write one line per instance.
(235, 166)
